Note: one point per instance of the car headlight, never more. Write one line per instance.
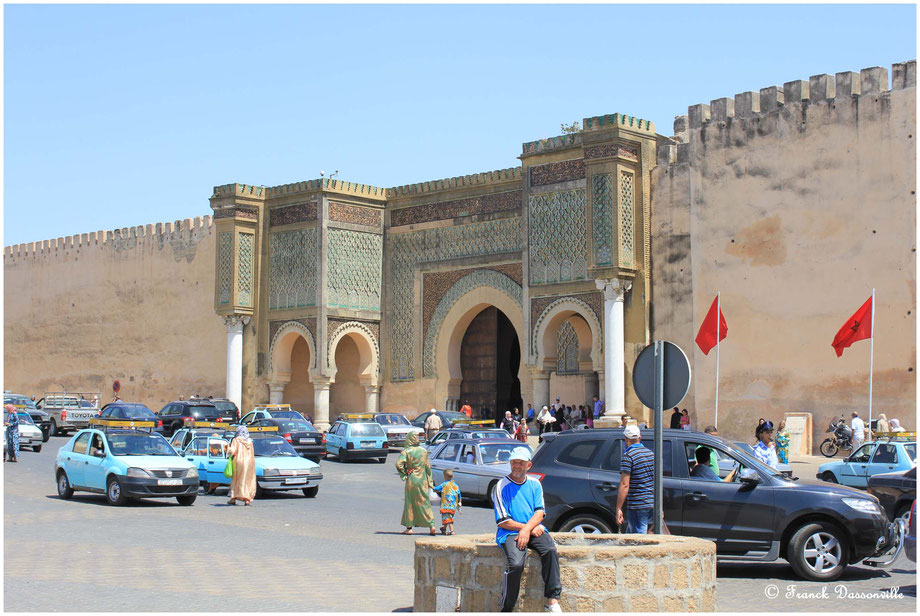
(137, 472)
(192, 472)
(862, 504)
(271, 472)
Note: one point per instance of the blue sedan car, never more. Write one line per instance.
(357, 440)
(124, 462)
(870, 459)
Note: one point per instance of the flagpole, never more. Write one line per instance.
(718, 335)
(871, 357)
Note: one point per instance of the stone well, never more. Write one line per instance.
(600, 573)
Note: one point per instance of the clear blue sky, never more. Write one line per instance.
(125, 115)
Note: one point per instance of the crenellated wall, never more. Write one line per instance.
(794, 202)
(133, 305)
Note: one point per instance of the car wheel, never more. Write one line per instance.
(63, 486)
(489, 493)
(382, 460)
(828, 477)
(343, 457)
(818, 552)
(46, 435)
(260, 493)
(37, 448)
(53, 430)
(186, 499)
(829, 448)
(311, 492)
(114, 493)
(585, 524)
(903, 512)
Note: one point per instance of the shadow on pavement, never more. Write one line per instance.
(783, 571)
(100, 500)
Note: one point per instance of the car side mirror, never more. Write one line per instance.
(749, 476)
(100, 453)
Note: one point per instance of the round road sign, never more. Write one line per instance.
(676, 375)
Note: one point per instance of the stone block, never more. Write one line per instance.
(462, 571)
(709, 600)
(532, 578)
(771, 98)
(873, 79)
(569, 576)
(680, 575)
(821, 88)
(693, 603)
(904, 75)
(709, 571)
(662, 577)
(698, 114)
(721, 109)
(442, 568)
(635, 575)
(747, 104)
(847, 83)
(487, 575)
(795, 91)
(696, 574)
(643, 603)
(531, 603)
(421, 570)
(681, 127)
(673, 604)
(613, 604)
(584, 604)
(602, 578)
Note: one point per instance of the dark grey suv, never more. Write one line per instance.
(759, 516)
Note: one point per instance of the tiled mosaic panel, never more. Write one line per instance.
(354, 266)
(626, 219)
(292, 269)
(436, 284)
(566, 349)
(224, 267)
(412, 248)
(241, 211)
(552, 173)
(485, 204)
(558, 237)
(594, 299)
(293, 213)
(354, 214)
(610, 150)
(244, 275)
(480, 278)
(602, 218)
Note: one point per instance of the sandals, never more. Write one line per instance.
(408, 531)
(443, 530)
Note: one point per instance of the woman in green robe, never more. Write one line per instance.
(414, 469)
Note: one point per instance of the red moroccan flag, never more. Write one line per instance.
(857, 327)
(706, 338)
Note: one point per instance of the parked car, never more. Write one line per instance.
(449, 418)
(181, 413)
(226, 409)
(747, 448)
(278, 467)
(873, 458)
(477, 464)
(895, 491)
(271, 411)
(759, 516)
(455, 433)
(70, 411)
(39, 417)
(29, 434)
(397, 428)
(128, 411)
(306, 440)
(124, 463)
(182, 437)
(356, 440)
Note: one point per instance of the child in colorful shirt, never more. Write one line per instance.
(450, 501)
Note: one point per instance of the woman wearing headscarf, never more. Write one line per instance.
(882, 425)
(12, 433)
(243, 481)
(414, 469)
(895, 425)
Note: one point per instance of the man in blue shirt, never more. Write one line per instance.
(637, 483)
(598, 408)
(519, 512)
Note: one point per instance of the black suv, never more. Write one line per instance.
(225, 408)
(177, 414)
(759, 516)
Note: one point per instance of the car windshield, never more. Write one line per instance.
(134, 411)
(366, 429)
(87, 404)
(490, 434)
(224, 406)
(391, 420)
(296, 425)
(205, 411)
(272, 447)
(139, 444)
(454, 416)
(23, 400)
(286, 415)
(498, 453)
(911, 449)
(25, 418)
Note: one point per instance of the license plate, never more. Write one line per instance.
(367, 445)
(169, 482)
(307, 440)
(295, 480)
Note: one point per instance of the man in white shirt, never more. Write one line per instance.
(859, 430)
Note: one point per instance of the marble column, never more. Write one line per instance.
(371, 396)
(614, 342)
(540, 380)
(235, 325)
(321, 403)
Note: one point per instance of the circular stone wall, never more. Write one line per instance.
(600, 573)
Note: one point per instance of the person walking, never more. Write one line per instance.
(598, 410)
(11, 421)
(782, 443)
(859, 430)
(519, 511)
(433, 424)
(413, 468)
(637, 483)
(675, 419)
(451, 501)
(765, 448)
(544, 420)
(522, 432)
(530, 414)
(466, 409)
(243, 481)
(508, 423)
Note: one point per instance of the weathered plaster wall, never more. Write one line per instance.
(134, 305)
(794, 212)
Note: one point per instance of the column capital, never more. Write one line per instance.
(233, 320)
(614, 288)
(320, 382)
(538, 373)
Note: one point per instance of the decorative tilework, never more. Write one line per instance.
(558, 237)
(333, 324)
(602, 218)
(274, 326)
(594, 300)
(291, 214)
(485, 204)
(407, 250)
(610, 150)
(292, 268)
(436, 284)
(305, 327)
(354, 267)
(566, 349)
(240, 211)
(626, 219)
(244, 273)
(353, 214)
(479, 278)
(225, 267)
(552, 173)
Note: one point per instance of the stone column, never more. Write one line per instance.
(276, 393)
(321, 403)
(371, 395)
(614, 342)
(235, 325)
(540, 380)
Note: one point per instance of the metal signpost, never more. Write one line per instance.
(661, 379)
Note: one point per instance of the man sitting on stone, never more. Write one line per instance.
(519, 512)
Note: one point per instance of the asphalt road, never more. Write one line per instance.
(338, 552)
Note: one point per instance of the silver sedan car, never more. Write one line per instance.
(477, 463)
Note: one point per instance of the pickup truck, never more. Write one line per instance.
(70, 411)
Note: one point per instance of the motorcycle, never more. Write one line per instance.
(842, 439)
